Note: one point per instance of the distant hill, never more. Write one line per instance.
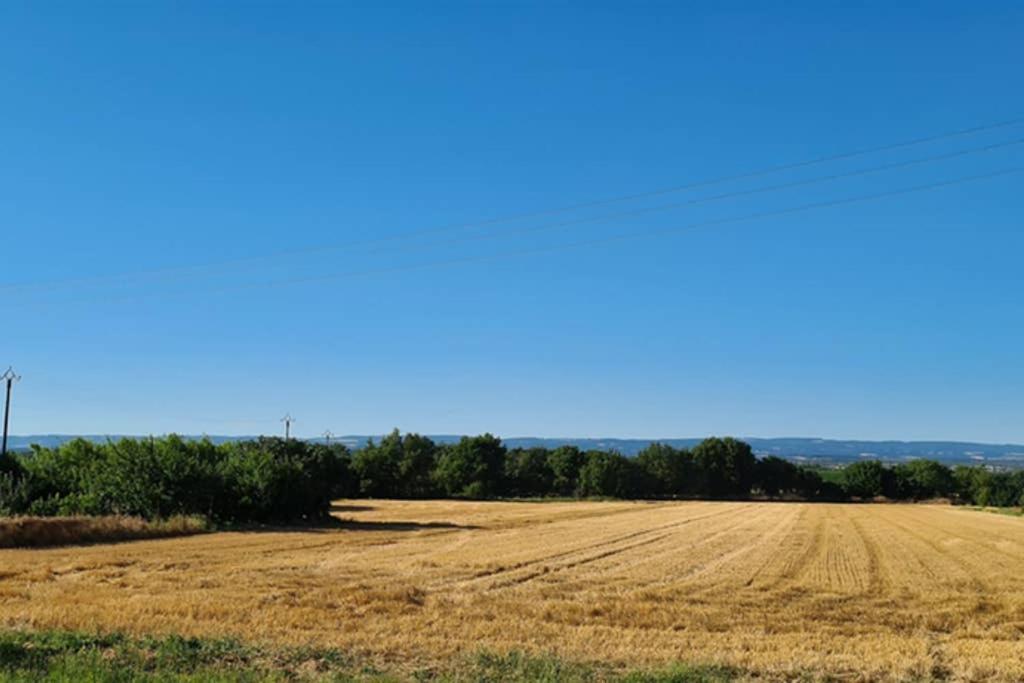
(822, 451)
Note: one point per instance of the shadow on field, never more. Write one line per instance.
(341, 524)
(335, 507)
(399, 526)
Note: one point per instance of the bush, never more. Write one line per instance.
(15, 496)
(979, 486)
(264, 480)
(273, 479)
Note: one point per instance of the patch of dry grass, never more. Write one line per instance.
(868, 592)
(36, 532)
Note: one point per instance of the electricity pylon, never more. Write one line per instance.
(10, 378)
(287, 419)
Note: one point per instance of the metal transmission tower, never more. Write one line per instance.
(288, 420)
(328, 435)
(10, 378)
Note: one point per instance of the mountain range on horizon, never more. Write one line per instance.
(823, 451)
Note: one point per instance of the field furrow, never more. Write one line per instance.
(866, 592)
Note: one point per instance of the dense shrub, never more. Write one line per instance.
(277, 479)
(15, 495)
(263, 480)
(980, 486)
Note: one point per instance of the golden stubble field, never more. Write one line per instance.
(862, 591)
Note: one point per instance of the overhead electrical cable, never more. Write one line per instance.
(727, 195)
(527, 215)
(762, 215)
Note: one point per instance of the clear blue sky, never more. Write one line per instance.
(164, 165)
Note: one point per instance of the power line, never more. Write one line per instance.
(732, 195)
(536, 214)
(629, 235)
(719, 197)
(765, 171)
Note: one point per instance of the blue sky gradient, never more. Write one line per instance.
(195, 195)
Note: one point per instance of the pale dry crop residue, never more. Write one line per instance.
(862, 591)
(22, 532)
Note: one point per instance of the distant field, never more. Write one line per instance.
(869, 591)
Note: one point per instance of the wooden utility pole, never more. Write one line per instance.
(10, 379)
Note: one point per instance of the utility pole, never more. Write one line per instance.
(287, 419)
(10, 378)
(328, 435)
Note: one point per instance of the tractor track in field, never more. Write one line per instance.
(574, 557)
(782, 590)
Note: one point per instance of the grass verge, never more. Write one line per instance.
(37, 532)
(1012, 512)
(59, 656)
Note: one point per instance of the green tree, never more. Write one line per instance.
(606, 474)
(416, 466)
(397, 467)
(273, 479)
(811, 486)
(774, 476)
(725, 466)
(528, 472)
(998, 489)
(472, 468)
(344, 483)
(377, 467)
(665, 471)
(966, 482)
(920, 479)
(565, 463)
(865, 479)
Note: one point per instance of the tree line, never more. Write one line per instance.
(278, 480)
(413, 466)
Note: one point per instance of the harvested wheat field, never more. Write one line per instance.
(859, 591)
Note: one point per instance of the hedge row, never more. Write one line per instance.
(255, 481)
(271, 480)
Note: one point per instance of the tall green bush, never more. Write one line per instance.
(263, 480)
